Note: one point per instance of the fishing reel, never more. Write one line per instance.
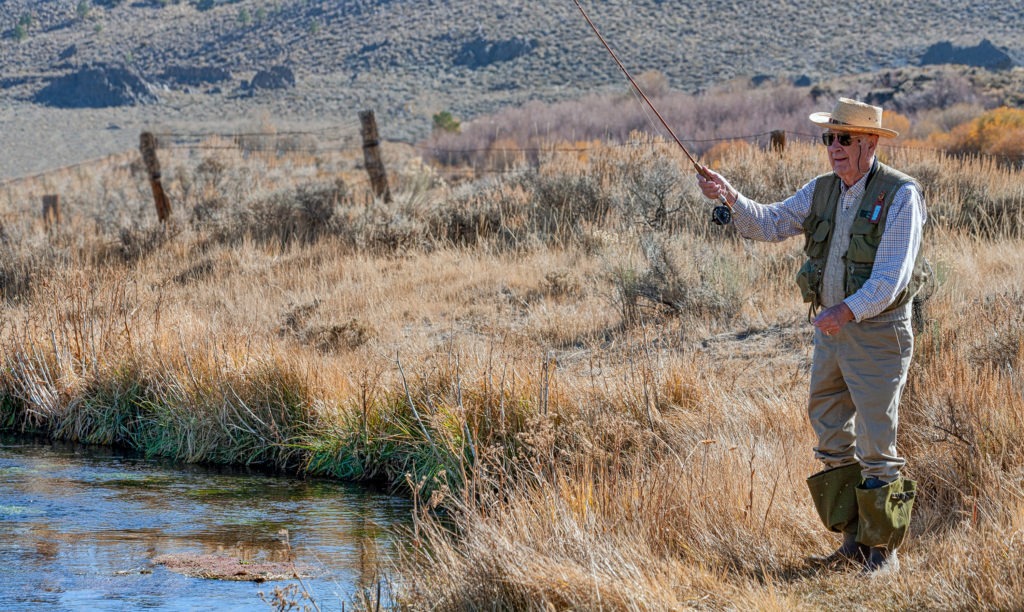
(721, 215)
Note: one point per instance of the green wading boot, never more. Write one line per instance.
(834, 494)
(884, 518)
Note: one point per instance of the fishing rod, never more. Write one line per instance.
(722, 214)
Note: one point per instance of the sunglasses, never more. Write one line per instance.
(844, 139)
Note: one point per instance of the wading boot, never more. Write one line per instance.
(850, 551)
(884, 519)
(881, 561)
(834, 494)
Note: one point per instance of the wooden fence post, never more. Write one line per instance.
(147, 144)
(778, 140)
(371, 153)
(51, 210)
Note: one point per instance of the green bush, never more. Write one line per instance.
(444, 121)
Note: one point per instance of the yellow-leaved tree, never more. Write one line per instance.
(997, 132)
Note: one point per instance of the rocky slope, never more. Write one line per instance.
(411, 59)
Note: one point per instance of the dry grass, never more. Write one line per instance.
(605, 393)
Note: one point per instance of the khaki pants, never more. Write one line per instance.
(856, 380)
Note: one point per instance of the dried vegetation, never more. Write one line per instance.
(604, 393)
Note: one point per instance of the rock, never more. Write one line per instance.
(223, 567)
(195, 75)
(275, 77)
(881, 96)
(96, 86)
(984, 55)
(481, 52)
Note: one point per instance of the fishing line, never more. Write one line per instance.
(722, 214)
(645, 111)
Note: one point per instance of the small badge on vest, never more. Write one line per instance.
(876, 212)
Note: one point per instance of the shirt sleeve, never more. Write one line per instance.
(773, 222)
(897, 252)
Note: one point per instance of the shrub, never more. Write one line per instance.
(304, 215)
(15, 277)
(699, 120)
(997, 132)
(654, 83)
(444, 121)
(654, 191)
(896, 121)
(563, 202)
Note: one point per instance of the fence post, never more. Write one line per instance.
(147, 144)
(778, 140)
(371, 153)
(51, 210)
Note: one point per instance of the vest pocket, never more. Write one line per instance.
(861, 250)
(856, 275)
(809, 279)
(817, 241)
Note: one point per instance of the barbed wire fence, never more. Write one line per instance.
(342, 137)
(350, 138)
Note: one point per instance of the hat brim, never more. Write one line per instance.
(824, 120)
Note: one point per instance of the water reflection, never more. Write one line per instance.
(79, 528)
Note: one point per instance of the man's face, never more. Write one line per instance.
(850, 154)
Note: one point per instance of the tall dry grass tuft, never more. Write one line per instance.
(595, 397)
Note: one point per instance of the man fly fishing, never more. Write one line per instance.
(862, 225)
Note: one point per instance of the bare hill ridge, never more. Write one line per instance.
(411, 59)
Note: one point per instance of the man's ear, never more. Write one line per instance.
(872, 141)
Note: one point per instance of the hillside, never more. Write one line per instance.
(411, 59)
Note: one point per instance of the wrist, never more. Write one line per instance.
(847, 312)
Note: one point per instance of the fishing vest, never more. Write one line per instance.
(865, 236)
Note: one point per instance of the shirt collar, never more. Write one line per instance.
(861, 184)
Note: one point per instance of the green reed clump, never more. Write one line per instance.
(9, 411)
(252, 418)
(106, 411)
(387, 442)
(432, 431)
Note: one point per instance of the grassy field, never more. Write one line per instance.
(604, 392)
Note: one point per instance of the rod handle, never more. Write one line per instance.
(703, 171)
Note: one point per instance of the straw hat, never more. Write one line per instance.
(853, 116)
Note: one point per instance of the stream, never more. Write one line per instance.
(90, 528)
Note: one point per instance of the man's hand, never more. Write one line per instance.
(717, 186)
(832, 319)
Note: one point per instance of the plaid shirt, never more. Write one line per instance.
(894, 261)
